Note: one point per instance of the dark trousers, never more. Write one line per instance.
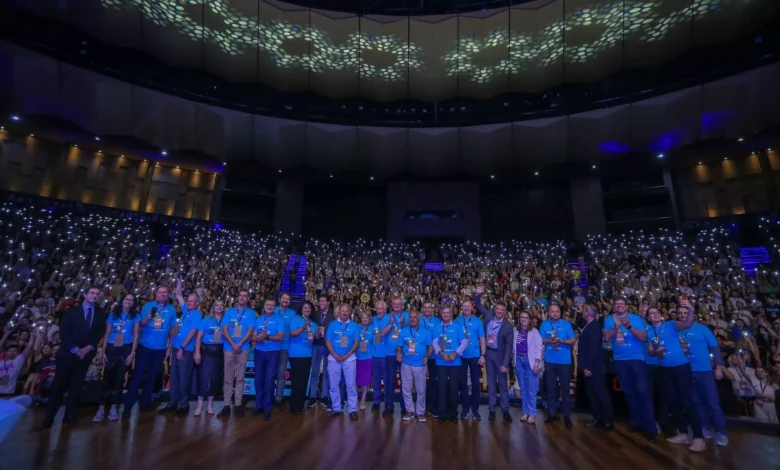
(680, 379)
(705, 397)
(633, 378)
(181, 379)
(448, 391)
(432, 399)
(598, 396)
(114, 374)
(148, 362)
(378, 366)
(70, 375)
(469, 368)
(210, 372)
(496, 377)
(661, 393)
(557, 377)
(392, 368)
(299, 378)
(266, 367)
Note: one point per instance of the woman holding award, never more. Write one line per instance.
(302, 331)
(209, 357)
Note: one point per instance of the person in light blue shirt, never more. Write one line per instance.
(119, 344)
(182, 360)
(449, 342)
(704, 350)
(627, 335)
(209, 355)
(668, 342)
(285, 312)
(269, 334)
(398, 320)
(380, 333)
(154, 346)
(557, 338)
(342, 340)
(414, 348)
(237, 331)
(302, 331)
(658, 387)
(473, 357)
(429, 323)
(364, 358)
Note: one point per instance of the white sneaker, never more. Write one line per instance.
(721, 440)
(698, 445)
(679, 439)
(99, 416)
(113, 415)
(706, 433)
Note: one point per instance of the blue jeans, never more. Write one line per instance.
(319, 359)
(266, 367)
(557, 377)
(529, 384)
(469, 365)
(378, 366)
(705, 398)
(148, 362)
(343, 371)
(392, 367)
(633, 378)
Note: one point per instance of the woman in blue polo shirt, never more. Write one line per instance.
(302, 330)
(363, 353)
(209, 357)
(119, 344)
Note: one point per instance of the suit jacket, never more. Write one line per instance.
(590, 353)
(75, 332)
(506, 335)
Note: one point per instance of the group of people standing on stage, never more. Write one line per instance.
(437, 357)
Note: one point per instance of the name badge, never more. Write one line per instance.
(119, 340)
(491, 340)
(377, 338)
(217, 336)
(117, 327)
(237, 331)
(311, 336)
(158, 322)
(412, 349)
(363, 346)
(396, 332)
(343, 341)
(621, 338)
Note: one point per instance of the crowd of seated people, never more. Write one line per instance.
(49, 258)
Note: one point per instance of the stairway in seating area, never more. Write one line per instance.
(296, 263)
(752, 257)
(582, 282)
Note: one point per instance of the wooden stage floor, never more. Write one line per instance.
(314, 441)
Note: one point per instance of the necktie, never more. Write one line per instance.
(89, 316)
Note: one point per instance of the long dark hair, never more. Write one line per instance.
(311, 306)
(519, 325)
(116, 313)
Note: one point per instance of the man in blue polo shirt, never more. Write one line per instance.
(703, 351)
(473, 357)
(269, 334)
(157, 320)
(414, 348)
(399, 319)
(627, 335)
(284, 311)
(238, 326)
(184, 333)
(557, 338)
(342, 341)
(378, 341)
(449, 342)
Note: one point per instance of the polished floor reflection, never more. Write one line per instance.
(314, 441)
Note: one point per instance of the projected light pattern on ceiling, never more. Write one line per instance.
(238, 34)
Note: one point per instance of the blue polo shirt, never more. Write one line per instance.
(666, 335)
(421, 339)
(365, 336)
(209, 326)
(123, 324)
(273, 325)
(700, 339)
(336, 330)
(563, 330)
(287, 314)
(190, 320)
(449, 338)
(632, 349)
(157, 338)
(377, 324)
(234, 317)
(429, 325)
(300, 346)
(473, 329)
(391, 344)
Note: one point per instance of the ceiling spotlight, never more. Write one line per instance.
(740, 139)
(280, 171)
(164, 152)
(15, 117)
(331, 176)
(660, 155)
(492, 177)
(536, 173)
(593, 167)
(97, 138)
(371, 178)
(224, 163)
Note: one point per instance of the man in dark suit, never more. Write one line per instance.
(81, 329)
(499, 337)
(590, 361)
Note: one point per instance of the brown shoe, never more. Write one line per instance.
(408, 416)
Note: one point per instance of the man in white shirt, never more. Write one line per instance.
(11, 365)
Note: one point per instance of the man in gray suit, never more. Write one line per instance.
(499, 335)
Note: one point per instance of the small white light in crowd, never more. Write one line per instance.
(371, 178)
(224, 163)
(331, 176)
(725, 159)
(660, 155)
(15, 117)
(97, 138)
(164, 152)
(280, 171)
(699, 163)
(177, 167)
(492, 177)
(536, 173)
(32, 135)
(740, 139)
(594, 167)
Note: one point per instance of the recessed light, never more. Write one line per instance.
(97, 138)
(594, 167)
(492, 177)
(740, 139)
(280, 171)
(536, 173)
(371, 178)
(164, 152)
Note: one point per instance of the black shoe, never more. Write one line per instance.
(257, 412)
(492, 416)
(126, 414)
(335, 413)
(403, 411)
(607, 428)
(146, 408)
(507, 416)
(239, 412)
(311, 403)
(475, 414)
(434, 414)
(567, 422)
(224, 412)
(353, 416)
(650, 436)
(169, 408)
(593, 424)
(454, 420)
(635, 428)
(387, 412)
(279, 403)
(183, 410)
(375, 407)
(70, 421)
(266, 416)
(551, 419)
(46, 424)
(441, 420)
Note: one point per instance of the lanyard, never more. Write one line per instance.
(265, 322)
(414, 336)
(363, 334)
(184, 316)
(240, 315)
(763, 387)
(344, 327)
(124, 320)
(555, 327)
(425, 322)
(466, 325)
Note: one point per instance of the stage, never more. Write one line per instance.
(314, 441)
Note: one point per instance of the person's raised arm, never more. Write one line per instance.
(688, 322)
(179, 295)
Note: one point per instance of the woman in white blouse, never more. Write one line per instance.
(764, 406)
(528, 364)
